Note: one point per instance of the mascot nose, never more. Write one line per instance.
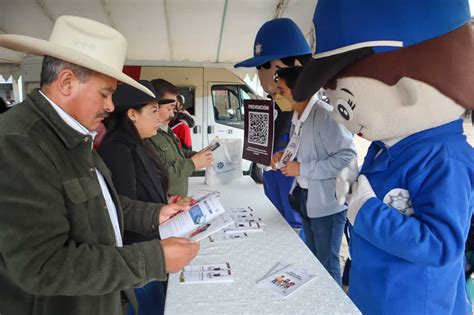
(344, 110)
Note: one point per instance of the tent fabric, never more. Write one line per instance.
(204, 31)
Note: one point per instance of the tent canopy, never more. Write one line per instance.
(163, 31)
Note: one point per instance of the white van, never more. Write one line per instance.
(213, 96)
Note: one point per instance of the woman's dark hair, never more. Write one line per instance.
(3, 106)
(120, 121)
(289, 75)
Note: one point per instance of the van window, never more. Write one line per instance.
(228, 104)
(189, 93)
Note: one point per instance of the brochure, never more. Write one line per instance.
(188, 222)
(206, 277)
(222, 236)
(278, 266)
(247, 227)
(211, 227)
(290, 151)
(214, 273)
(202, 268)
(247, 218)
(287, 280)
(237, 211)
(244, 215)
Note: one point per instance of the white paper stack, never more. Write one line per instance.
(213, 226)
(285, 281)
(222, 236)
(244, 227)
(246, 221)
(215, 273)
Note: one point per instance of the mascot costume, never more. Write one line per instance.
(400, 74)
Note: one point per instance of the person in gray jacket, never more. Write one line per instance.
(319, 148)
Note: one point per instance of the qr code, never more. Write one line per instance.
(258, 128)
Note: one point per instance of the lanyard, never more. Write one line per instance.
(292, 148)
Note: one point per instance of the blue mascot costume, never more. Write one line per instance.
(400, 74)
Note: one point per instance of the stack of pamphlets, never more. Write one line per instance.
(222, 236)
(215, 273)
(244, 227)
(206, 217)
(244, 215)
(245, 221)
(285, 279)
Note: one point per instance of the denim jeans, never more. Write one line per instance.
(151, 299)
(323, 236)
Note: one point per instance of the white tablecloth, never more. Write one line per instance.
(250, 259)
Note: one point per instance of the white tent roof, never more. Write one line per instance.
(196, 31)
(162, 32)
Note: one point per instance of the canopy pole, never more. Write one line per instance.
(222, 31)
(280, 9)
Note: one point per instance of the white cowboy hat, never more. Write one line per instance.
(83, 42)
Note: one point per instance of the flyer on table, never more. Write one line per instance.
(287, 280)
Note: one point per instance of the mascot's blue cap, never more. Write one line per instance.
(348, 30)
(276, 39)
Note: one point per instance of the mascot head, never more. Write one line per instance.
(392, 68)
(279, 44)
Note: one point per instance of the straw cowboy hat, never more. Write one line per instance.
(83, 42)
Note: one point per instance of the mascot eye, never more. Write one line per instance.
(344, 108)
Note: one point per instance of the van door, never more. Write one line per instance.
(225, 112)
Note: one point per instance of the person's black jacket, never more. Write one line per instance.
(134, 173)
(3, 106)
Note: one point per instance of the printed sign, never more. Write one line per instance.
(259, 131)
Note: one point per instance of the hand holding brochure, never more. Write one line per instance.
(222, 221)
(193, 222)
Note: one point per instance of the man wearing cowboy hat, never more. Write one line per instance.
(61, 219)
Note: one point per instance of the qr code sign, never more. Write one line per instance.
(258, 128)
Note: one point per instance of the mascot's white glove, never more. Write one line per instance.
(361, 192)
(344, 180)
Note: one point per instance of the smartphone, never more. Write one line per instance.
(214, 146)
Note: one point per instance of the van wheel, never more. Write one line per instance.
(256, 173)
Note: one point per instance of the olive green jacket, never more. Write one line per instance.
(179, 166)
(57, 244)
